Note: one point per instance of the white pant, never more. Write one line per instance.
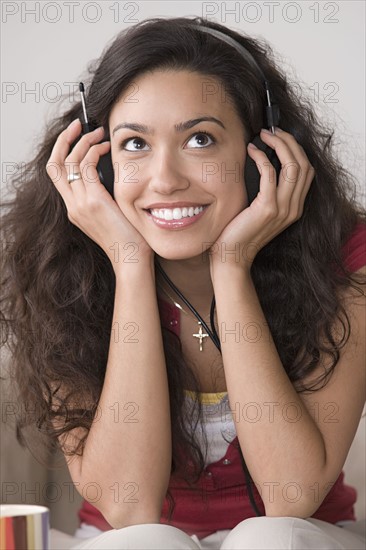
(258, 533)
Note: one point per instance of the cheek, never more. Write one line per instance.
(125, 200)
(125, 178)
(243, 197)
(232, 197)
(126, 190)
(227, 181)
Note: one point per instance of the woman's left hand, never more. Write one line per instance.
(273, 209)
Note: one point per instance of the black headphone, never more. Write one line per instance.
(251, 174)
(251, 178)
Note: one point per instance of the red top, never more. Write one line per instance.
(220, 499)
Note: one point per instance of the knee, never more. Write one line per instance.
(148, 536)
(270, 533)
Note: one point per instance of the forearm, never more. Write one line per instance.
(281, 444)
(128, 448)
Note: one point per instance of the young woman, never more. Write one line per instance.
(193, 338)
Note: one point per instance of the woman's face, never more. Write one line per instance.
(168, 161)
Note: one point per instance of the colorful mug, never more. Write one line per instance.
(24, 527)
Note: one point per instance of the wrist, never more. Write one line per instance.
(238, 258)
(229, 272)
(134, 267)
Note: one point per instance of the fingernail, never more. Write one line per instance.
(73, 123)
(266, 131)
(252, 146)
(278, 129)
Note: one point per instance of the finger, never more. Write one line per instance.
(88, 173)
(305, 189)
(74, 161)
(291, 175)
(88, 166)
(286, 152)
(83, 145)
(296, 149)
(62, 163)
(56, 160)
(64, 141)
(56, 163)
(305, 177)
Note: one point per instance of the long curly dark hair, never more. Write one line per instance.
(58, 285)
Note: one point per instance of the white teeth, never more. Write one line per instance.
(176, 213)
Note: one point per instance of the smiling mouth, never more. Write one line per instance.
(169, 214)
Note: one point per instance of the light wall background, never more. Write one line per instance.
(323, 43)
(45, 49)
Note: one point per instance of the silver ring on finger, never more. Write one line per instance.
(74, 176)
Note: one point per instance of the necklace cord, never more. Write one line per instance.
(214, 337)
(212, 334)
(212, 321)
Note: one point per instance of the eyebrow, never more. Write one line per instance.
(181, 127)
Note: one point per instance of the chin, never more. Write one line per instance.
(179, 253)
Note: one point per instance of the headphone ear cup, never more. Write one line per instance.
(105, 168)
(251, 172)
(106, 172)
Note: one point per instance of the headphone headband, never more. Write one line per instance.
(239, 48)
(272, 110)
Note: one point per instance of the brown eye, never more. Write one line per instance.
(201, 140)
(136, 141)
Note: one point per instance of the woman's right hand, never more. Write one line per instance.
(89, 205)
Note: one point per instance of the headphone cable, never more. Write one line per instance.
(214, 337)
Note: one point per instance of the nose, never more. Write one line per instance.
(167, 173)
